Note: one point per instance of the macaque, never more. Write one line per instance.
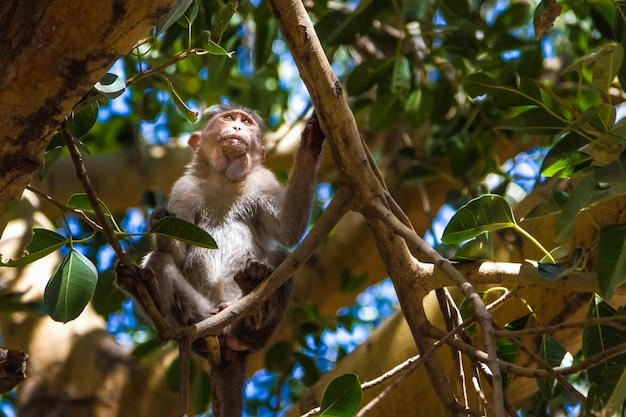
(228, 192)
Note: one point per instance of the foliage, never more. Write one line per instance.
(469, 74)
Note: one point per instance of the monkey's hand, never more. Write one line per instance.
(312, 136)
(158, 214)
(127, 278)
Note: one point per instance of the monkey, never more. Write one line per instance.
(228, 192)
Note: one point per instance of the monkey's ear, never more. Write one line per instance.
(194, 140)
(262, 153)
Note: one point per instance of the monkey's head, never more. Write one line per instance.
(231, 142)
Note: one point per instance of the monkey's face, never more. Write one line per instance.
(235, 132)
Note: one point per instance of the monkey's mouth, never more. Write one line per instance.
(234, 146)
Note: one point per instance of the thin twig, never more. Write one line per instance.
(81, 174)
(66, 209)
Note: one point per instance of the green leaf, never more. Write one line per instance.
(49, 158)
(215, 49)
(189, 16)
(507, 350)
(555, 355)
(225, 14)
(535, 121)
(611, 258)
(419, 171)
(609, 61)
(608, 385)
(184, 231)
(528, 93)
(419, 107)
(577, 200)
(174, 14)
(43, 243)
(480, 248)
(367, 74)
(71, 287)
(613, 172)
(351, 283)
(342, 397)
(553, 204)
(486, 213)
(564, 156)
(110, 86)
(79, 123)
(190, 115)
(401, 76)
(386, 111)
(81, 201)
(276, 356)
(312, 372)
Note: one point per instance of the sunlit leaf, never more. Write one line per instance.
(486, 213)
(611, 264)
(577, 200)
(564, 156)
(71, 287)
(43, 243)
(110, 86)
(419, 106)
(554, 354)
(184, 231)
(479, 248)
(342, 397)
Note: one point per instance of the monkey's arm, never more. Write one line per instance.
(293, 212)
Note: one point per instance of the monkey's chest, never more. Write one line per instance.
(212, 271)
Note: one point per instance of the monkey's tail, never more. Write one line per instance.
(227, 385)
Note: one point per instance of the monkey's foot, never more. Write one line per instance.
(252, 275)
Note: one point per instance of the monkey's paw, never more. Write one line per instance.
(158, 214)
(312, 136)
(252, 275)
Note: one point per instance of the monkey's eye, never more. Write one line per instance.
(246, 121)
(229, 117)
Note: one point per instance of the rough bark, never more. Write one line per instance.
(53, 53)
